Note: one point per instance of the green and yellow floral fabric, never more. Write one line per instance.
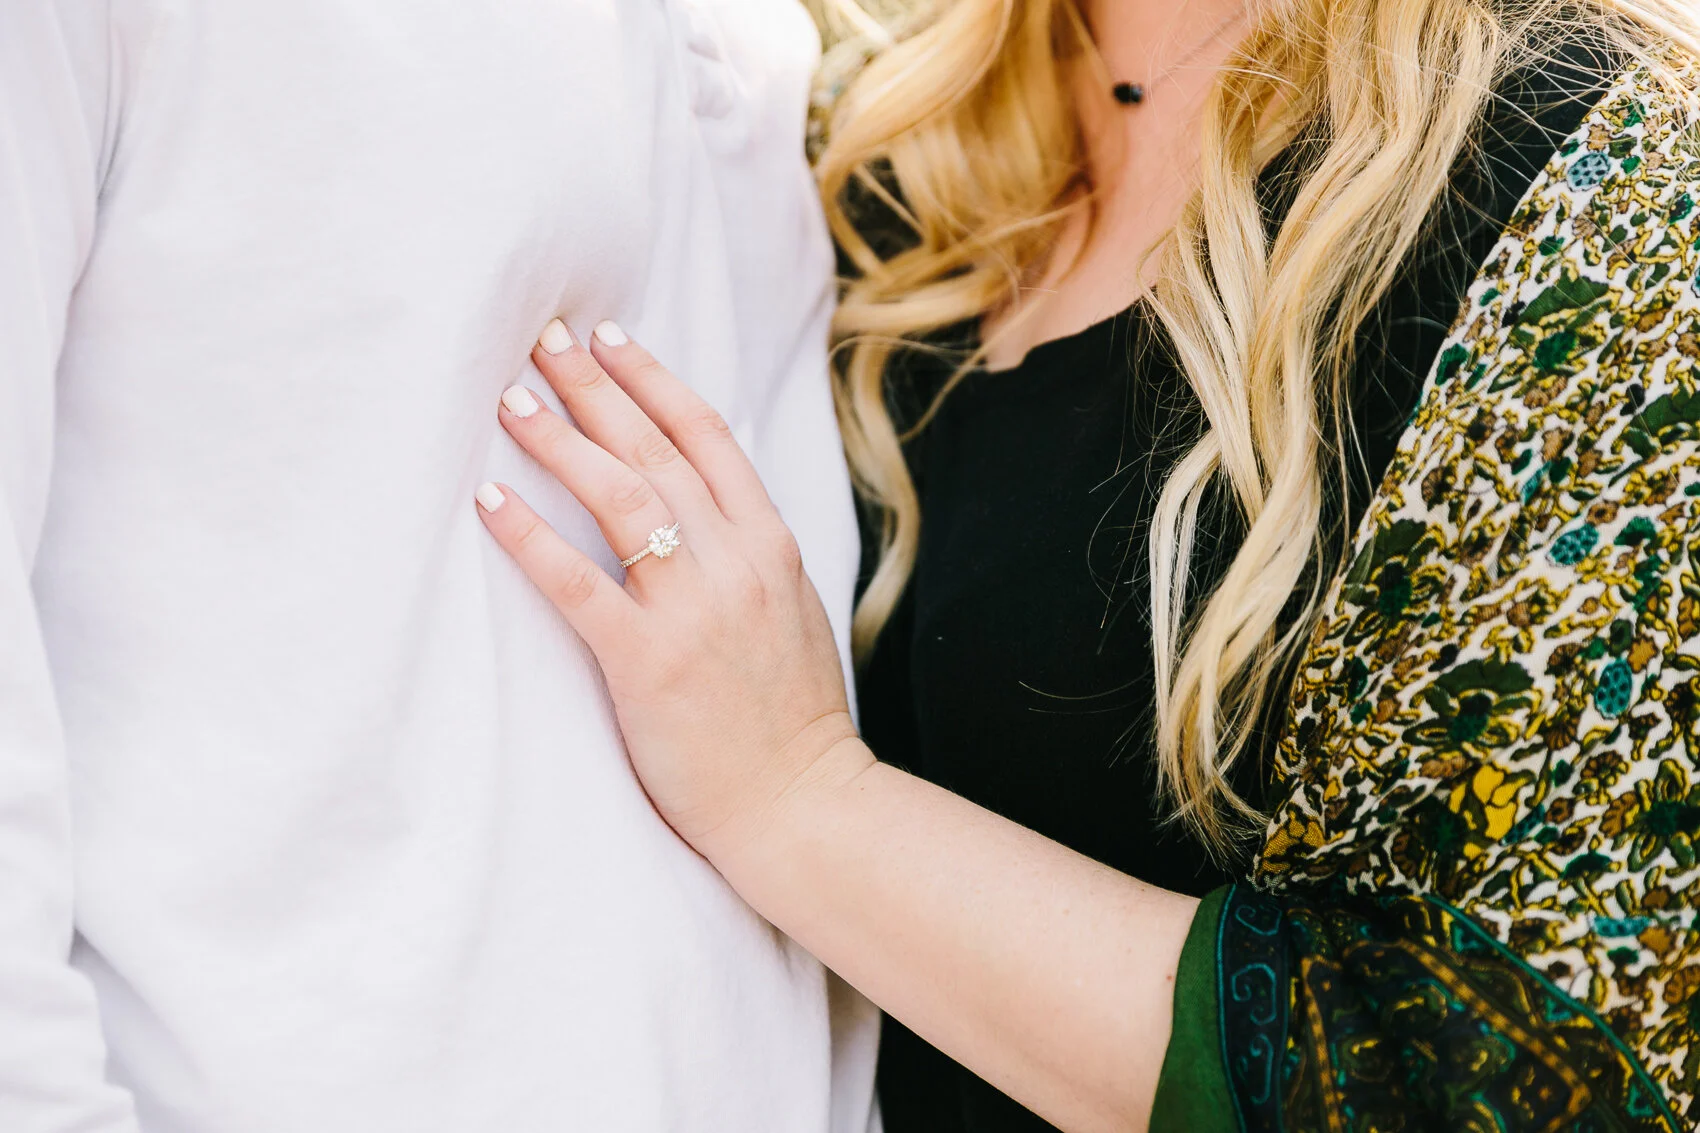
(1476, 904)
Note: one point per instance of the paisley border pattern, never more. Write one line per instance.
(1405, 1014)
(1251, 967)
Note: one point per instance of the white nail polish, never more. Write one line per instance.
(519, 401)
(608, 333)
(555, 339)
(490, 497)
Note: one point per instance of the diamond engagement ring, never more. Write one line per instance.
(663, 541)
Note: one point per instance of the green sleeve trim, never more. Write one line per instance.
(1192, 1090)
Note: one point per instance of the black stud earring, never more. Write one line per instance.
(1128, 94)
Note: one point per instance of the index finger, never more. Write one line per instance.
(695, 426)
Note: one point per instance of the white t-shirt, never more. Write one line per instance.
(313, 815)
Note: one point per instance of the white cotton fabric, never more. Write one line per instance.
(313, 815)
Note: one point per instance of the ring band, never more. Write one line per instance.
(663, 541)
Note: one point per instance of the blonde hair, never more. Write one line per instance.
(964, 131)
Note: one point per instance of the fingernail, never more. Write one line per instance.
(608, 333)
(489, 497)
(519, 401)
(556, 338)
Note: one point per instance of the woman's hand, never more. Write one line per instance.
(1043, 971)
(718, 655)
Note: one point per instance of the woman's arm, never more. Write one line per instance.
(1044, 972)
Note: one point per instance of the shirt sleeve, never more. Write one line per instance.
(55, 89)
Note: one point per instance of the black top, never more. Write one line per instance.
(1017, 670)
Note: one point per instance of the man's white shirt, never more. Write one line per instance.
(313, 816)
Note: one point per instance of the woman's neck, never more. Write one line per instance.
(1139, 160)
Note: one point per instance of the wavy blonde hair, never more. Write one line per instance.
(963, 129)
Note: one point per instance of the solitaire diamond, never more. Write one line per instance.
(663, 541)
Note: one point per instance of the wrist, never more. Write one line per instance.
(768, 840)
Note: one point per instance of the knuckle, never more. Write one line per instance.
(653, 450)
(749, 588)
(705, 422)
(629, 495)
(583, 375)
(649, 371)
(785, 552)
(527, 536)
(554, 445)
(577, 582)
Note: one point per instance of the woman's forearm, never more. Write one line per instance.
(1046, 973)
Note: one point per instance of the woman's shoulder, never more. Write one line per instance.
(1606, 227)
(1595, 277)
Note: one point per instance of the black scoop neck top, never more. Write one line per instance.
(1017, 670)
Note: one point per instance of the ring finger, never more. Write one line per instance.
(625, 506)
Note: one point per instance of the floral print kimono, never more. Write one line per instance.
(1475, 907)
